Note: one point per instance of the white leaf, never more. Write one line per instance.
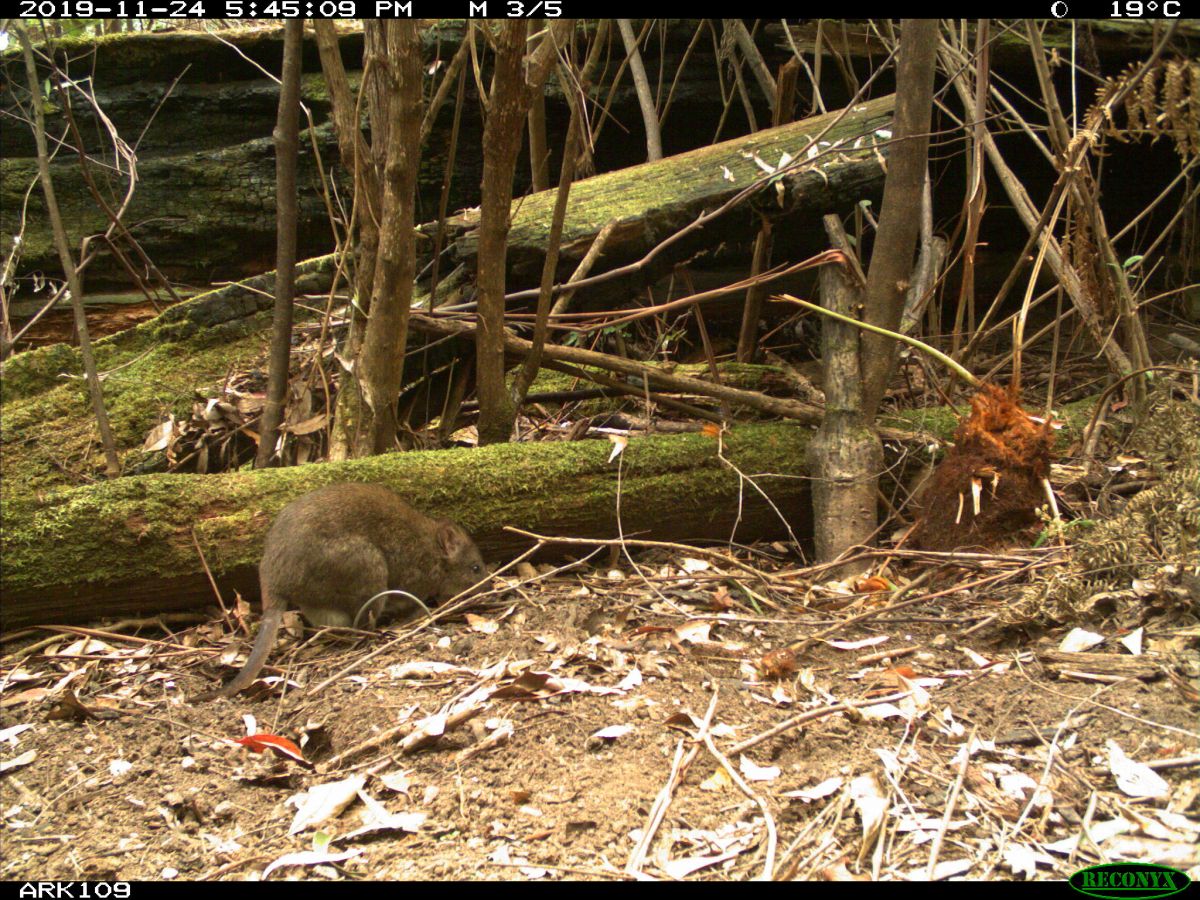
(871, 804)
(1133, 641)
(612, 732)
(18, 762)
(819, 791)
(308, 858)
(376, 817)
(1079, 639)
(751, 771)
(858, 645)
(1135, 778)
(693, 631)
(323, 801)
(10, 734)
(630, 681)
(400, 782)
(1023, 860)
(618, 441)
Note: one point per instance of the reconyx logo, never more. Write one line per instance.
(1129, 880)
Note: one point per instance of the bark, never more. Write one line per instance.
(642, 86)
(566, 176)
(381, 365)
(975, 202)
(363, 231)
(668, 381)
(845, 455)
(511, 95)
(539, 148)
(130, 546)
(287, 146)
(754, 59)
(205, 206)
(892, 255)
(134, 545)
(1108, 665)
(784, 103)
(501, 143)
(1107, 270)
(355, 156)
(539, 151)
(1083, 302)
(112, 463)
(353, 414)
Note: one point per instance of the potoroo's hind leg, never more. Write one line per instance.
(343, 574)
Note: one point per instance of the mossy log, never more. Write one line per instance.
(139, 545)
(652, 201)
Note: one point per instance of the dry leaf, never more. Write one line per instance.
(751, 771)
(1135, 778)
(1078, 640)
(280, 746)
(872, 585)
(717, 781)
(323, 801)
(618, 441)
(817, 792)
(612, 732)
(308, 858)
(481, 624)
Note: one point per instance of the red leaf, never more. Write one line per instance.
(280, 746)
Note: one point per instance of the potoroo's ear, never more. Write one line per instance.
(450, 538)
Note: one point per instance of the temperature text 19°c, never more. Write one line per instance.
(1138, 9)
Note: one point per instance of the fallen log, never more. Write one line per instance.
(653, 201)
(140, 545)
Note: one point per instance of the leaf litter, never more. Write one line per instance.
(595, 727)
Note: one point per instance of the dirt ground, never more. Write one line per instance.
(576, 703)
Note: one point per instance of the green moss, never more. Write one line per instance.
(143, 527)
(48, 427)
(938, 421)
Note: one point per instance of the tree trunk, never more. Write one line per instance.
(642, 85)
(845, 455)
(287, 145)
(511, 95)
(566, 176)
(501, 143)
(363, 232)
(381, 365)
(892, 255)
(112, 464)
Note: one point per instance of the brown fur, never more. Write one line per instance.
(332, 550)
